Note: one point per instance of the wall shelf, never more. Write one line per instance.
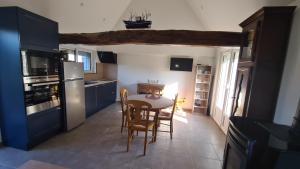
(202, 88)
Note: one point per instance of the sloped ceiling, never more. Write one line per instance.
(225, 15)
(165, 14)
(36, 6)
(77, 16)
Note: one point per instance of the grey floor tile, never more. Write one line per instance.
(98, 144)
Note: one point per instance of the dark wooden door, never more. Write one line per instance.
(241, 91)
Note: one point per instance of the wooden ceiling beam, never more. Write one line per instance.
(155, 37)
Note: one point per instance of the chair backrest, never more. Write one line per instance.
(174, 105)
(123, 97)
(136, 109)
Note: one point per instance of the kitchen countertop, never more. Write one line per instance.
(99, 82)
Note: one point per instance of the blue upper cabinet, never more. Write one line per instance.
(37, 32)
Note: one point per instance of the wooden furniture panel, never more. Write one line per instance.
(261, 62)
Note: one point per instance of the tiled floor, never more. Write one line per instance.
(98, 144)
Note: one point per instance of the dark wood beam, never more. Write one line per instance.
(172, 37)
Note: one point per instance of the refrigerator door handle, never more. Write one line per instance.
(74, 79)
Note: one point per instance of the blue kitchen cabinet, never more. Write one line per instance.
(37, 32)
(21, 29)
(108, 93)
(99, 96)
(91, 100)
(111, 95)
(43, 125)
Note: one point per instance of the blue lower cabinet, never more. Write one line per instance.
(108, 93)
(91, 100)
(99, 97)
(43, 125)
(111, 94)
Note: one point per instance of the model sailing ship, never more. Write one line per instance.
(138, 21)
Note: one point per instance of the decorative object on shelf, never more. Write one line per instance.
(202, 88)
(138, 21)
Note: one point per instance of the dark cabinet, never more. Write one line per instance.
(108, 93)
(90, 100)
(261, 62)
(242, 84)
(37, 32)
(22, 29)
(99, 96)
(43, 125)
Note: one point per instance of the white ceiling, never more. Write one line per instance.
(104, 15)
(225, 15)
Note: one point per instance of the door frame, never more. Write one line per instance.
(221, 117)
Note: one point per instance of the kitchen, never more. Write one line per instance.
(60, 102)
(52, 87)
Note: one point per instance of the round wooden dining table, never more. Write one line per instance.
(157, 103)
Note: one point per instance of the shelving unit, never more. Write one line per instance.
(202, 88)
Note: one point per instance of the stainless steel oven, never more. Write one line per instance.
(39, 63)
(41, 93)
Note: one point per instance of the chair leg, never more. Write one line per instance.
(153, 134)
(129, 139)
(171, 129)
(122, 124)
(145, 142)
(125, 121)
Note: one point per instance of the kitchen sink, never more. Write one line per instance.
(90, 82)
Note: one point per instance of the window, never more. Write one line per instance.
(85, 58)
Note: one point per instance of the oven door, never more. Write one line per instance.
(234, 158)
(41, 96)
(38, 63)
(238, 150)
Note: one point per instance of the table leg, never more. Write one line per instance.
(156, 123)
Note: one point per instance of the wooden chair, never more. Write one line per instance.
(136, 121)
(168, 116)
(123, 97)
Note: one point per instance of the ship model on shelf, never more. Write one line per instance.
(138, 21)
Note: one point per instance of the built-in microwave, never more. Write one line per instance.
(39, 63)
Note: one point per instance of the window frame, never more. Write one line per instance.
(93, 57)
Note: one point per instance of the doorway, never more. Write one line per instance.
(222, 101)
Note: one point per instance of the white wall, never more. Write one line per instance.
(138, 63)
(36, 6)
(290, 85)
